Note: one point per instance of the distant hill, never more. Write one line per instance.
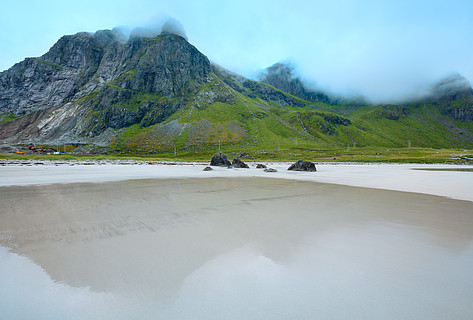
(157, 94)
(281, 76)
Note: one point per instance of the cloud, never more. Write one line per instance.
(161, 23)
(385, 51)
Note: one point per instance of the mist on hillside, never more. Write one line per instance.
(159, 24)
(286, 77)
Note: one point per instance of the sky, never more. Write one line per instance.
(385, 50)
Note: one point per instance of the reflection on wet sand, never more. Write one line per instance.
(251, 243)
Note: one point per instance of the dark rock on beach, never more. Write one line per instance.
(260, 166)
(302, 165)
(270, 170)
(208, 169)
(237, 163)
(220, 160)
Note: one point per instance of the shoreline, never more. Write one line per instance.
(416, 178)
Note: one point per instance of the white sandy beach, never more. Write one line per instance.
(117, 241)
(399, 177)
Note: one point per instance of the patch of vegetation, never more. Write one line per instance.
(49, 64)
(126, 135)
(6, 117)
(127, 76)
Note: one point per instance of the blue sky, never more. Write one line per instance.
(382, 49)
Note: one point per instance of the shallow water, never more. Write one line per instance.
(445, 169)
(247, 248)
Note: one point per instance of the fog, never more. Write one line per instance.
(385, 51)
(161, 23)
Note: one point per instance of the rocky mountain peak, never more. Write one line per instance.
(85, 62)
(141, 80)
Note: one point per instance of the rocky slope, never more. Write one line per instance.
(83, 63)
(282, 76)
(88, 85)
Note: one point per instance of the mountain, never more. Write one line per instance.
(282, 77)
(91, 84)
(87, 73)
(157, 94)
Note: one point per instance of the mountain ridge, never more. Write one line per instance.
(152, 95)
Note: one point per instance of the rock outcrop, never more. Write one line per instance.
(220, 160)
(393, 112)
(237, 163)
(461, 114)
(269, 93)
(302, 165)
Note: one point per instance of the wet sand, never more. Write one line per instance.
(253, 248)
(442, 181)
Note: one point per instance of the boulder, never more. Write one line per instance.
(302, 165)
(260, 166)
(208, 169)
(220, 160)
(270, 170)
(237, 163)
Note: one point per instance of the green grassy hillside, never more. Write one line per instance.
(262, 127)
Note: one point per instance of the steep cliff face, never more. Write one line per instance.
(79, 64)
(167, 66)
(54, 78)
(461, 114)
(101, 73)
